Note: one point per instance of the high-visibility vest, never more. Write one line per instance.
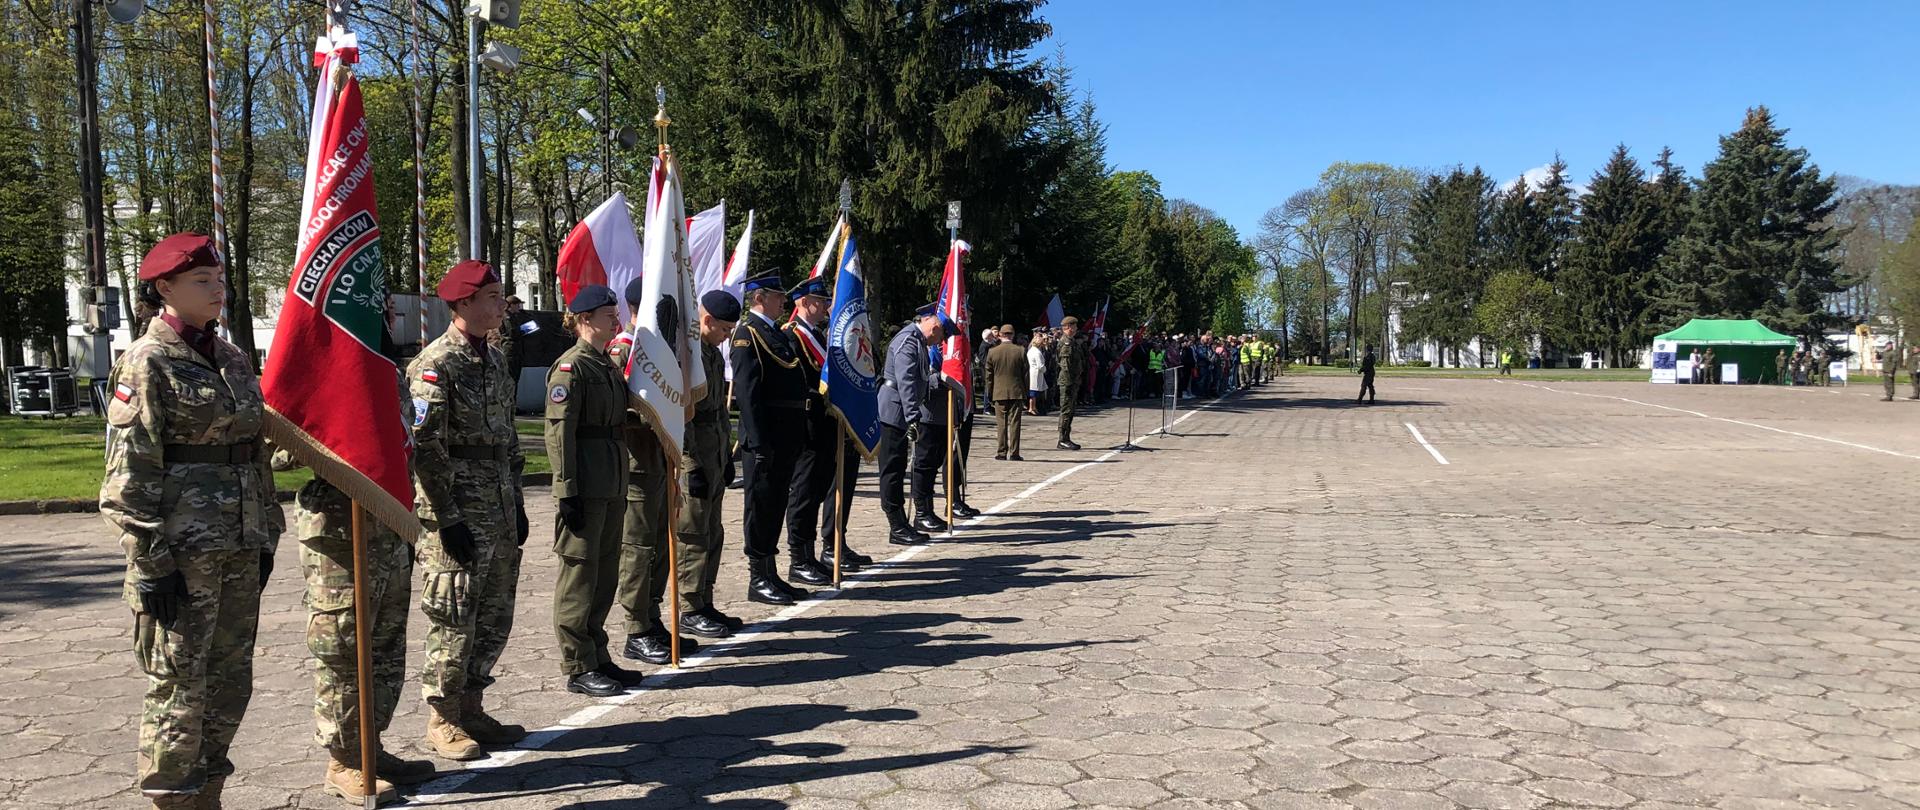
(1156, 360)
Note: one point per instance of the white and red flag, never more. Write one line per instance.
(664, 374)
(707, 248)
(956, 355)
(602, 249)
(333, 399)
(1098, 325)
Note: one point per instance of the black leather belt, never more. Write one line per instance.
(211, 453)
(478, 452)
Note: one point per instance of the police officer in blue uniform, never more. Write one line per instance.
(770, 386)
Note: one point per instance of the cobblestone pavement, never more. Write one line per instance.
(1612, 595)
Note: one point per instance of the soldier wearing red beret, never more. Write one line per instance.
(466, 472)
(189, 488)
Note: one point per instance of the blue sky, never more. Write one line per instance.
(1235, 105)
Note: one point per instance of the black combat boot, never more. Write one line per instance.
(765, 586)
(802, 566)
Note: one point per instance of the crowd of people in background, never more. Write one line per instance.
(1128, 365)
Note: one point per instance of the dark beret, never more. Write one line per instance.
(465, 279)
(721, 305)
(634, 291)
(589, 298)
(178, 253)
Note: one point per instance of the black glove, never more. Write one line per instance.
(726, 474)
(520, 523)
(457, 541)
(698, 487)
(160, 598)
(266, 568)
(570, 513)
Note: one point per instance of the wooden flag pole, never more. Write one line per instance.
(839, 510)
(363, 660)
(949, 462)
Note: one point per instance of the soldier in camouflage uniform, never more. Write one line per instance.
(466, 471)
(586, 410)
(708, 464)
(1913, 371)
(323, 522)
(189, 488)
(1073, 376)
(1890, 370)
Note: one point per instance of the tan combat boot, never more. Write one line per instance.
(483, 727)
(446, 736)
(404, 771)
(344, 780)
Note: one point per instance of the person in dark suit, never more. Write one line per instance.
(903, 394)
(814, 469)
(1006, 389)
(770, 385)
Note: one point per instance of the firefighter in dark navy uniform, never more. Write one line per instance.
(770, 386)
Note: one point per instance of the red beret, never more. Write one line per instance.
(465, 279)
(178, 253)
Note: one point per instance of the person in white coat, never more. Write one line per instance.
(1036, 372)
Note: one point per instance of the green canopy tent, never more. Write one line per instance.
(1746, 342)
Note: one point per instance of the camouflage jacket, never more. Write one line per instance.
(462, 409)
(322, 510)
(586, 420)
(166, 397)
(1073, 363)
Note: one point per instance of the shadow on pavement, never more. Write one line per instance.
(39, 576)
(688, 760)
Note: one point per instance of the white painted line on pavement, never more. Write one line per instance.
(439, 789)
(1843, 442)
(1424, 443)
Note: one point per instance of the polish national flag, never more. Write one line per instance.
(603, 249)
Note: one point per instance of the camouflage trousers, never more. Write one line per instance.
(462, 649)
(643, 568)
(332, 622)
(199, 671)
(698, 533)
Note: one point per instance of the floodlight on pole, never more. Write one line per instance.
(501, 57)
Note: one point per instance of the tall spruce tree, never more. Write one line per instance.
(1615, 245)
(1671, 294)
(1759, 243)
(1517, 240)
(1447, 242)
(1557, 214)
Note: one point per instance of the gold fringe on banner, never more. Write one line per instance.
(371, 497)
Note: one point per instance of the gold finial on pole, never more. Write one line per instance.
(660, 118)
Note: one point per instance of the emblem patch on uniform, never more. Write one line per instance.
(566, 366)
(419, 412)
(559, 394)
(123, 392)
(430, 375)
(742, 343)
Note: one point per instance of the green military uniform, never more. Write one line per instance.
(189, 487)
(1073, 377)
(643, 564)
(1780, 368)
(709, 444)
(1913, 371)
(586, 411)
(1889, 370)
(466, 470)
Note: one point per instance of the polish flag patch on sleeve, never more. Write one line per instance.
(566, 366)
(123, 392)
(430, 375)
